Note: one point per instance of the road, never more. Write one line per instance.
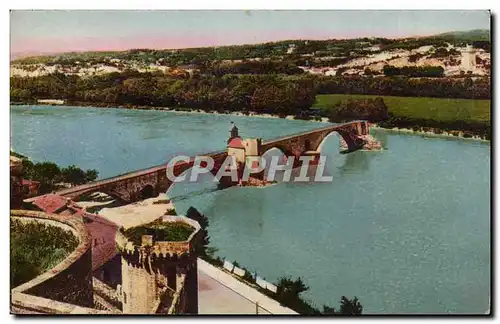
(221, 293)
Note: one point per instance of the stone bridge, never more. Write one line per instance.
(297, 144)
(146, 183)
(136, 185)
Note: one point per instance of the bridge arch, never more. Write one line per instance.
(333, 137)
(281, 148)
(148, 191)
(204, 182)
(185, 194)
(106, 190)
(330, 147)
(283, 153)
(131, 186)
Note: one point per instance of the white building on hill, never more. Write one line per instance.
(468, 59)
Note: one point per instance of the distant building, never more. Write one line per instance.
(372, 48)
(235, 144)
(468, 59)
(51, 101)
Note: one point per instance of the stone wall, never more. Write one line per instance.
(69, 282)
(72, 285)
(128, 186)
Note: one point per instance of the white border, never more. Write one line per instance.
(254, 4)
(200, 4)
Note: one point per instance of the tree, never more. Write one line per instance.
(194, 214)
(350, 307)
(91, 175)
(288, 293)
(486, 45)
(73, 175)
(340, 71)
(414, 71)
(46, 172)
(28, 169)
(288, 288)
(369, 109)
(347, 307)
(328, 310)
(77, 176)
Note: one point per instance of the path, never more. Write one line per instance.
(221, 293)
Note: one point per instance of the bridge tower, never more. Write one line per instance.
(233, 131)
(160, 277)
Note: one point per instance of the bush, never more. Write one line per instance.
(161, 202)
(453, 127)
(35, 248)
(414, 71)
(248, 276)
(161, 231)
(366, 109)
(171, 212)
(466, 88)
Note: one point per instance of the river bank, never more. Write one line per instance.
(81, 104)
(429, 131)
(435, 133)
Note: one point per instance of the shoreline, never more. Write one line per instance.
(79, 104)
(443, 134)
(317, 119)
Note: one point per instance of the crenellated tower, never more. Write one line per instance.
(160, 276)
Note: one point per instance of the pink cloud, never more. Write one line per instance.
(200, 39)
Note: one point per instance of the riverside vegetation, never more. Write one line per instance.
(50, 175)
(472, 117)
(269, 78)
(161, 231)
(277, 94)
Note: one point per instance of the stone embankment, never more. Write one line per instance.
(256, 182)
(370, 143)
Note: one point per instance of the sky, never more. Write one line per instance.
(52, 31)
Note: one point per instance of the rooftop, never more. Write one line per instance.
(236, 143)
(50, 203)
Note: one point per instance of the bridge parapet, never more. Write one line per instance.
(311, 140)
(130, 187)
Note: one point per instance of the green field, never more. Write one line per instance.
(439, 109)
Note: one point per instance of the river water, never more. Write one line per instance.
(406, 230)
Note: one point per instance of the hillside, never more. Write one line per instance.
(280, 78)
(360, 56)
(468, 35)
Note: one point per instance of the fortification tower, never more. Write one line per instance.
(160, 277)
